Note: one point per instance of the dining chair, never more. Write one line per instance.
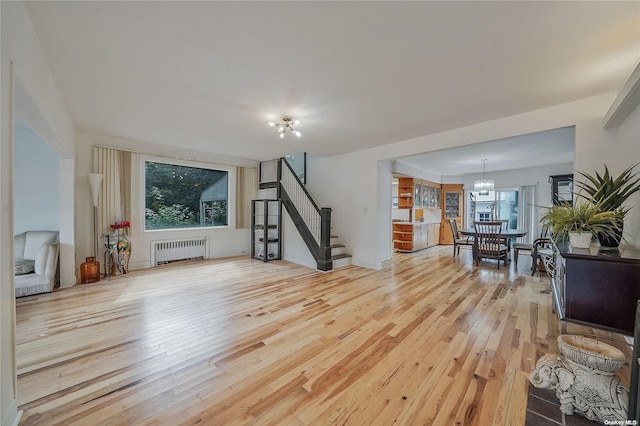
(541, 247)
(506, 241)
(458, 240)
(520, 246)
(489, 244)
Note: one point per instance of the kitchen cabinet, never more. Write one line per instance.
(453, 208)
(418, 229)
(417, 194)
(415, 236)
(403, 236)
(405, 193)
(434, 235)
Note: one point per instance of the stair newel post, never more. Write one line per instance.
(279, 178)
(325, 263)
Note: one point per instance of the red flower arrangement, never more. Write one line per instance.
(121, 224)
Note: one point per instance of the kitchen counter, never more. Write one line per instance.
(413, 236)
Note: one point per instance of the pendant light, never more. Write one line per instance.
(483, 186)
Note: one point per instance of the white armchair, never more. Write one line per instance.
(36, 262)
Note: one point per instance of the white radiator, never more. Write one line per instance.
(171, 251)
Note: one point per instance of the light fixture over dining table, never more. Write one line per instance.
(483, 186)
(288, 123)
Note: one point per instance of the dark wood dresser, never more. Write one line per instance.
(596, 287)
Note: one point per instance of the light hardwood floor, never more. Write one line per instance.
(427, 340)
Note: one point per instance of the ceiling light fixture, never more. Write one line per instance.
(287, 123)
(483, 186)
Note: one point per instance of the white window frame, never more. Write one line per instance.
(231, 182)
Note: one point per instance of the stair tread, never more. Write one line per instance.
(340, 256)
(337, 245)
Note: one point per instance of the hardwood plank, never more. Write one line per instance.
(517, 409)
(428, 339)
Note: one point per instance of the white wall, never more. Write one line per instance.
(398, 166)
(539, 176)
(348, 182)
(618, 148)
(39, 103)
(223, 241)
(36, 185)
(628, 147)
(25, 75)
(294, 249)
(349, 185)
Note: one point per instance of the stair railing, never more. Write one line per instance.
(313, 222)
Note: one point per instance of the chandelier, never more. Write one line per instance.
(288, 123)
(483, 186)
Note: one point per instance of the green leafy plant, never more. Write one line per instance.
(583, 217)
(608, 192)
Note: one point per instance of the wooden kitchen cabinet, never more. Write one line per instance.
(405, 193)
(434, 235)
(410, 233)
(415, 236)
(417, 194)
(452, 208)
(403, 236)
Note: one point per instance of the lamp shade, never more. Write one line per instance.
(95, 180)
(483, 186)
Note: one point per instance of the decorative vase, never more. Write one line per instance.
(124, 252)
(89, 270)
(580, 239)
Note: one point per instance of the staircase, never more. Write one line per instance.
(339, 257)
(313, 223)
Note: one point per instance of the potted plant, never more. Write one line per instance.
(579, 222)
(610, 194)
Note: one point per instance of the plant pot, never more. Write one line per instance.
(580, 239)
(607, 241)
(591, 353)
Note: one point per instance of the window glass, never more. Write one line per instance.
(496, 205)
(179, 196)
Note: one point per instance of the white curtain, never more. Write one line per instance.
(526, 213)
(114, 203)
(246, 190)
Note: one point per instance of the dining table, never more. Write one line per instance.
(506, 234)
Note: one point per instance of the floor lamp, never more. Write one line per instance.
(95, 180)
(90, 270)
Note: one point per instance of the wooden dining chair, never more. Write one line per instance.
(458, 240)
(526, 247)
(541, 247)
(489, 244)
(506, 241)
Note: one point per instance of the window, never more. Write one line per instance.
(497, 205)
(179, 196)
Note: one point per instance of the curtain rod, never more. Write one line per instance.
(168, 156)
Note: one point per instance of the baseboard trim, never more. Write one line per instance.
(17, 418)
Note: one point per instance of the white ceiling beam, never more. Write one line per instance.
(628, 98)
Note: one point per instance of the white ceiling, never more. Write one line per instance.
(209, 75)
(520, 152)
